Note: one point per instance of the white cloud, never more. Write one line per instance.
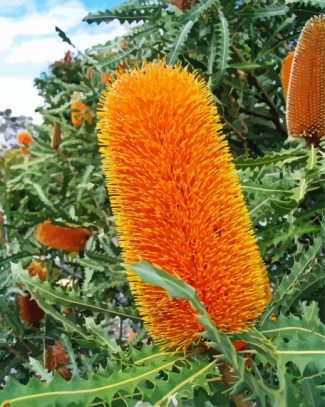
(20, 96)
(48, 50)
(29, 41)
(64, 16)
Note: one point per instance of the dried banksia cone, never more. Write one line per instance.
(56, 136)
(285, 72)
(56, 359)
(61, 237)
(306, 93)
(29, 311)
(177, 201)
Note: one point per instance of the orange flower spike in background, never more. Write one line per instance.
(285, 72)
(29, 310)
(177, 202)
(306, 93)
(24, 137)
(79, 111)
(61, 237)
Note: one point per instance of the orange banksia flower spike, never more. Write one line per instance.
(29, 311)
(177, 201)
(306, 92)
(60, 237)
(24, 137)
(285, 72)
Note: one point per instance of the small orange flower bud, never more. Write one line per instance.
(24, 137)
(106, 77)
(79, 111)
(24, 151)
(239, 345)
(35, 267)
(60, 237)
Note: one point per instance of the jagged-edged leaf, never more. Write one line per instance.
(101, 335)
(64, 36)
(217, 339)
(56, 295)
(177, 288)
(179, 41)
(266, 12)
(196, 11)
(125, 13)
(223, 46)
(152, 366)
(301, 275)
(281, 158)
(298, 340)
(40, 370)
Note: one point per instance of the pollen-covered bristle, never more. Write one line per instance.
(177, 201)
(306, 93)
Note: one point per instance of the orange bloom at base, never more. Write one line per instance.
(177, 202)
(29, 311)
(60, 237)
(306, 93)
(24, 137)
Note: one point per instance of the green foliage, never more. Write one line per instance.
(237, 48)
(148, 375)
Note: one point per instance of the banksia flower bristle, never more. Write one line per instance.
(177, 202)
(29, 311)
(285, 72)
(306, 93)
(61, 237)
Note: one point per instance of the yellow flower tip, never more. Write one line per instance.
(62, 238)
(177, 202)
(306, 92)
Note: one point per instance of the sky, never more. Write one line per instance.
(29, 43)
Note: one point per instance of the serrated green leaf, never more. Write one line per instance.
(179, 41)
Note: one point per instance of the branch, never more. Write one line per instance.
(252, 80)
